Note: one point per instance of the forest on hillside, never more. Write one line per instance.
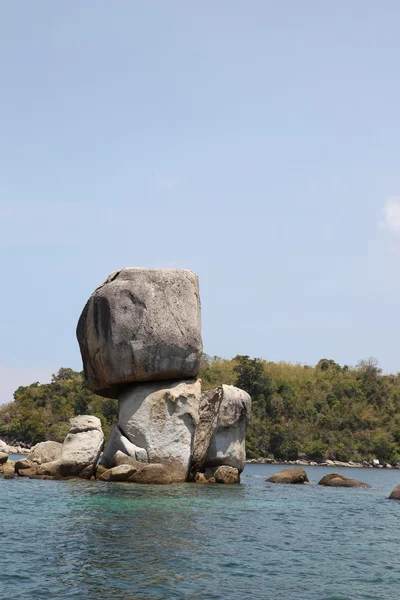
(325, 411)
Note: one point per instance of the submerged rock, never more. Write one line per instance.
(295, 476)
(395, 495)
(141, 325)
(338, 480)
(161, 418)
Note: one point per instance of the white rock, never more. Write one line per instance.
(80, 451)
(117, 442)
(45, 452)
(161, 418)
(227, 446)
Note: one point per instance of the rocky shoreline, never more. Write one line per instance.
(374, 464)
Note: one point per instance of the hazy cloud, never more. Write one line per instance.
(11, 379)
(391, 213)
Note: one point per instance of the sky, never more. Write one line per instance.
(256, 143)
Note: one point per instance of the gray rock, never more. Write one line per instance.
(227, 444)
(45, 452)
(117, 442)
(123, 459)
(161, 418)
(210, 404)
(80, 451)
(141, 325)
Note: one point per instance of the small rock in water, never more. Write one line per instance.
(395, 495)
(338, 480)
(227, 475)
(295, 476)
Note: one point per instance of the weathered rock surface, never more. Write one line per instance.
(338, 480)
(141, 325)
(80, 451)
(120, 473)
(3, 458)
(395, 495)
(157, 474)
(210, 403)
(8, 469)
(161, 418)
(295, 476)
(123, 459)
(227, 444)
(117, 442)
(45, 452)
(226, 474)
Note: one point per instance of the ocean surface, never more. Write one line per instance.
(101, 541)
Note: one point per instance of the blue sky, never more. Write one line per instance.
(256, 143)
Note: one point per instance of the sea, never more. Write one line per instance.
(90, 540)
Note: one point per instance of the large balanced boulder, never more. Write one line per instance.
(338, 480)
(395, 495)
(45, 452)
(141, 325)
(227, 443)
(80, 451)
(296, 475)
(161, 419)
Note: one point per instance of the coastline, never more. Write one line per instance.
(323, 463)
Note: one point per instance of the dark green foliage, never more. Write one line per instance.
(42, 412)
(326, 411)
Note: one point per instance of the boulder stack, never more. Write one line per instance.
(140, 340)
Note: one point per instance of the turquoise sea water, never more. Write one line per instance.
(101, 541)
